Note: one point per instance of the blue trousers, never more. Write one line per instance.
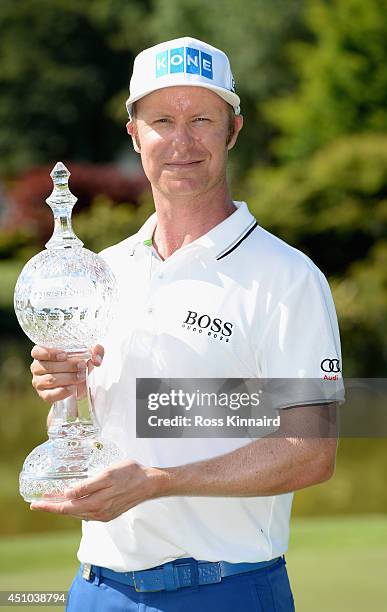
(263, 590)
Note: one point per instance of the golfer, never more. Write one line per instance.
(195, 524)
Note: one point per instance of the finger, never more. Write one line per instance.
(89, 486)
(47, 507)
(97, 354)
(81, 508)
(46, 354)
(52, 381)
(41, 367)
(56, 508)
(57, 394)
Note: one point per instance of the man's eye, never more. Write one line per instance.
(201, 119)
(162, 120)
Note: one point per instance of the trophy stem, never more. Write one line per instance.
(73, 417)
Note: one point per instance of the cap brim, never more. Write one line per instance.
(229, 96)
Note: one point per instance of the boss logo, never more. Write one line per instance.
(216, 328)
(184, 59)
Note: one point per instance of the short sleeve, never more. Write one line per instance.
(302, 341)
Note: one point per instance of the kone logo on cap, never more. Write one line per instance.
(184, 59)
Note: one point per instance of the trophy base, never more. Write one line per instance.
(49, 488)
(59, 464)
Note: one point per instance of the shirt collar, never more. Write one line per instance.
(220, 240)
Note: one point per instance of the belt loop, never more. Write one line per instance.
(169, 577)
(194, 566)
(97, 574)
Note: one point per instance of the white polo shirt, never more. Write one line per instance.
(276, 319)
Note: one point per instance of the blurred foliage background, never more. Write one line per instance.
(311, 161)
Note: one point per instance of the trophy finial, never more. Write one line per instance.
(61, 202)
(60, 174)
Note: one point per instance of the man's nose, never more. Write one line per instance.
(182, 136)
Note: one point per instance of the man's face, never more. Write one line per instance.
(182, 134)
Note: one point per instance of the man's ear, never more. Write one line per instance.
(238, 124)
(131, 129)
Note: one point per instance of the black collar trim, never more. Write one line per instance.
(239, 241)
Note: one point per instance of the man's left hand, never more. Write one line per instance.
(107, 495)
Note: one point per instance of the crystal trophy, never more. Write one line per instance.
(64, 299)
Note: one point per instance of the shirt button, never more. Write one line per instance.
(150, 310)
(161, 275)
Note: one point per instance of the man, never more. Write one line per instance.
(201, 523)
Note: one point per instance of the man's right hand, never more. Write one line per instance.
(55, 376)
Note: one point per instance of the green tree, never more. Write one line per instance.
(342, 77)
(333, 206)
(63, 65)
(106, 223)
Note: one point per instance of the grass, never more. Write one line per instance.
(339, 564)
(36, 562)
(336, 564)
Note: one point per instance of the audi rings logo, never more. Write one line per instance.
(330, 365)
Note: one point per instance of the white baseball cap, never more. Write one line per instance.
(182, 61)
